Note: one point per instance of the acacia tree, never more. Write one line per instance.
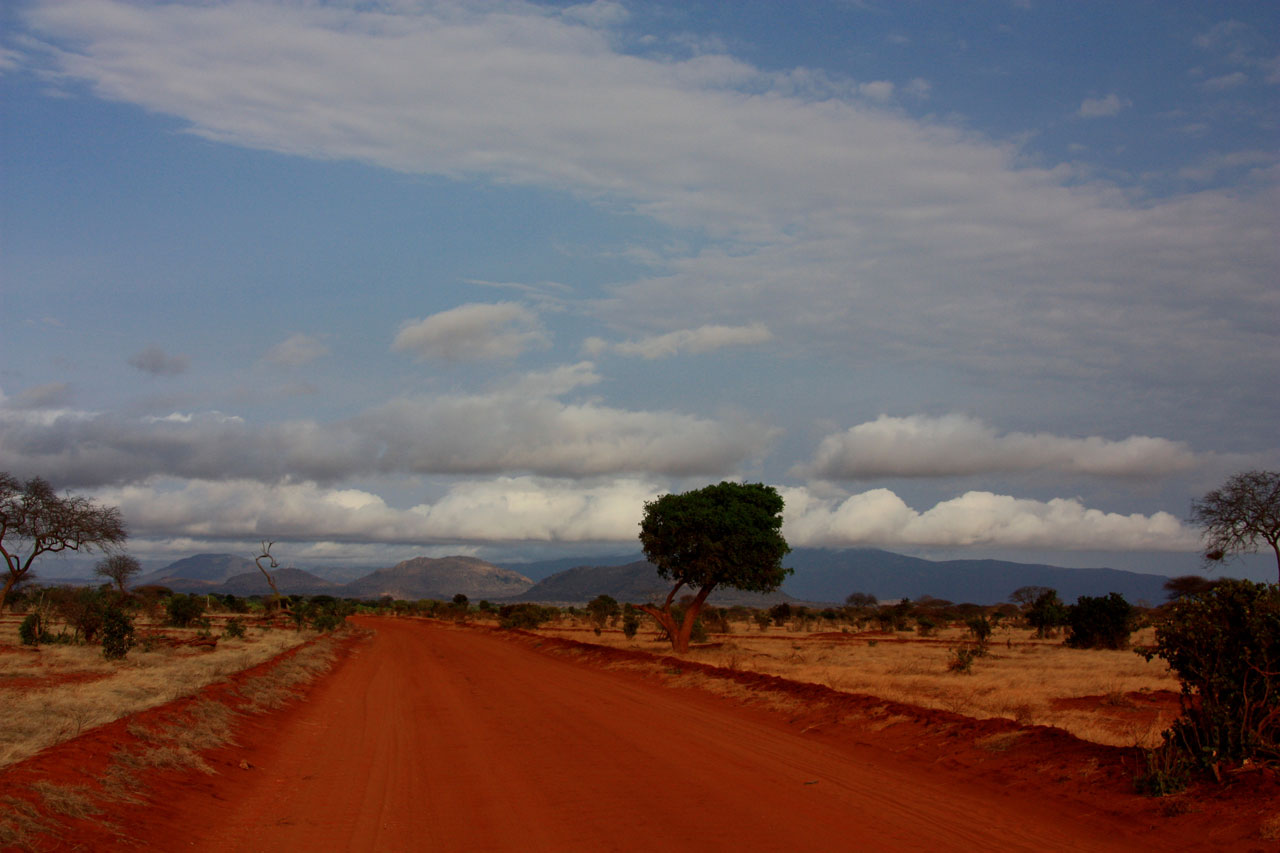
(35, 520)
(1236, 517)
(118, 568)
(723, 535)
(277, 600)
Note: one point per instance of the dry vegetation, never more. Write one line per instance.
(176, 740)
(1095, 695)
(54, 692)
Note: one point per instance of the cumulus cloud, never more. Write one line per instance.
(504, 509)
(523, 426)
(881, 518)
(1109, 105)
(922, 446)
(534, 509)
(296, 351)
(473, 332)
(157, 362)
(699, 340)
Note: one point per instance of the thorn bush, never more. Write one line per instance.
(1224, 646)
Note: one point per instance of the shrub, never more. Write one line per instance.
(962, 658)
(31, 629)
(631, 622)
(980, 628)
(185, 610)
(521, 616)
(234, 629)
(1224, 646)
(1046, 613)
(601, 609)
(780, 613)
(926, 626)
(1100, 623)
(117, 634)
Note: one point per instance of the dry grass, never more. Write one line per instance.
(177, 741)
(40, 716)
(1020, 678)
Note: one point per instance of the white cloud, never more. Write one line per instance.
(296, 351)
(1106, 106)
(881, 518)
(157, 362)
(699, 340)
(877, 90)
(532, 509)
(505, 509)
(951, 445)
(473, 332)
(1225, 81)
(522, 426)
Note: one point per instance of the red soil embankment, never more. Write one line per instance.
(432, 737)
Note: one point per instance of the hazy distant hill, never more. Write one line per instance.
(539, 569)
(442, 578)
(636, 582)
(211, 568)
(830, 575)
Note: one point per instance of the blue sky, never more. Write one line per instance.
(382, 279)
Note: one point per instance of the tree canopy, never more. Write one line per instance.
(35, 520)
(722, 535)
(1238, 516)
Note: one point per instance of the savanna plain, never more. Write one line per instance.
(401, 730)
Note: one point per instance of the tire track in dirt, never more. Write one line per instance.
(437, 738)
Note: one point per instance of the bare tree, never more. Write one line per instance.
(118, 568)
(1236, 517)
(276, 598)
(35, 520)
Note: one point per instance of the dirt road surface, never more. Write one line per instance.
(436, 738)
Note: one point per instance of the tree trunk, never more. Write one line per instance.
(9, 580)
(680, 642)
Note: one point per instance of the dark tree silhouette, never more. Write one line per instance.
(35, 520)
(723, 535)
(118, 568)
(1240, 515)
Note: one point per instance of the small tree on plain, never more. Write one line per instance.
(118, 568)
(602, 608)
(722, 535)
(1100, 622)
(35, 520)
(1047, 613)
(1240, 516)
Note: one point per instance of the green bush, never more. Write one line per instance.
(523, 616)
(31, 630)
(1224, 646)
(1100, 623)
(234, 629)
(185, 610)
(630, 622)
(1047, 613)
(980, 627)
(117, 634)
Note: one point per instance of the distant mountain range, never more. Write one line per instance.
(820, 575)
(636, 582)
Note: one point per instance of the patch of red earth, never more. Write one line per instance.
(83, 760)
(39, 682)
(1123, 713)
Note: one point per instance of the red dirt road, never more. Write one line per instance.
(436, 738)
